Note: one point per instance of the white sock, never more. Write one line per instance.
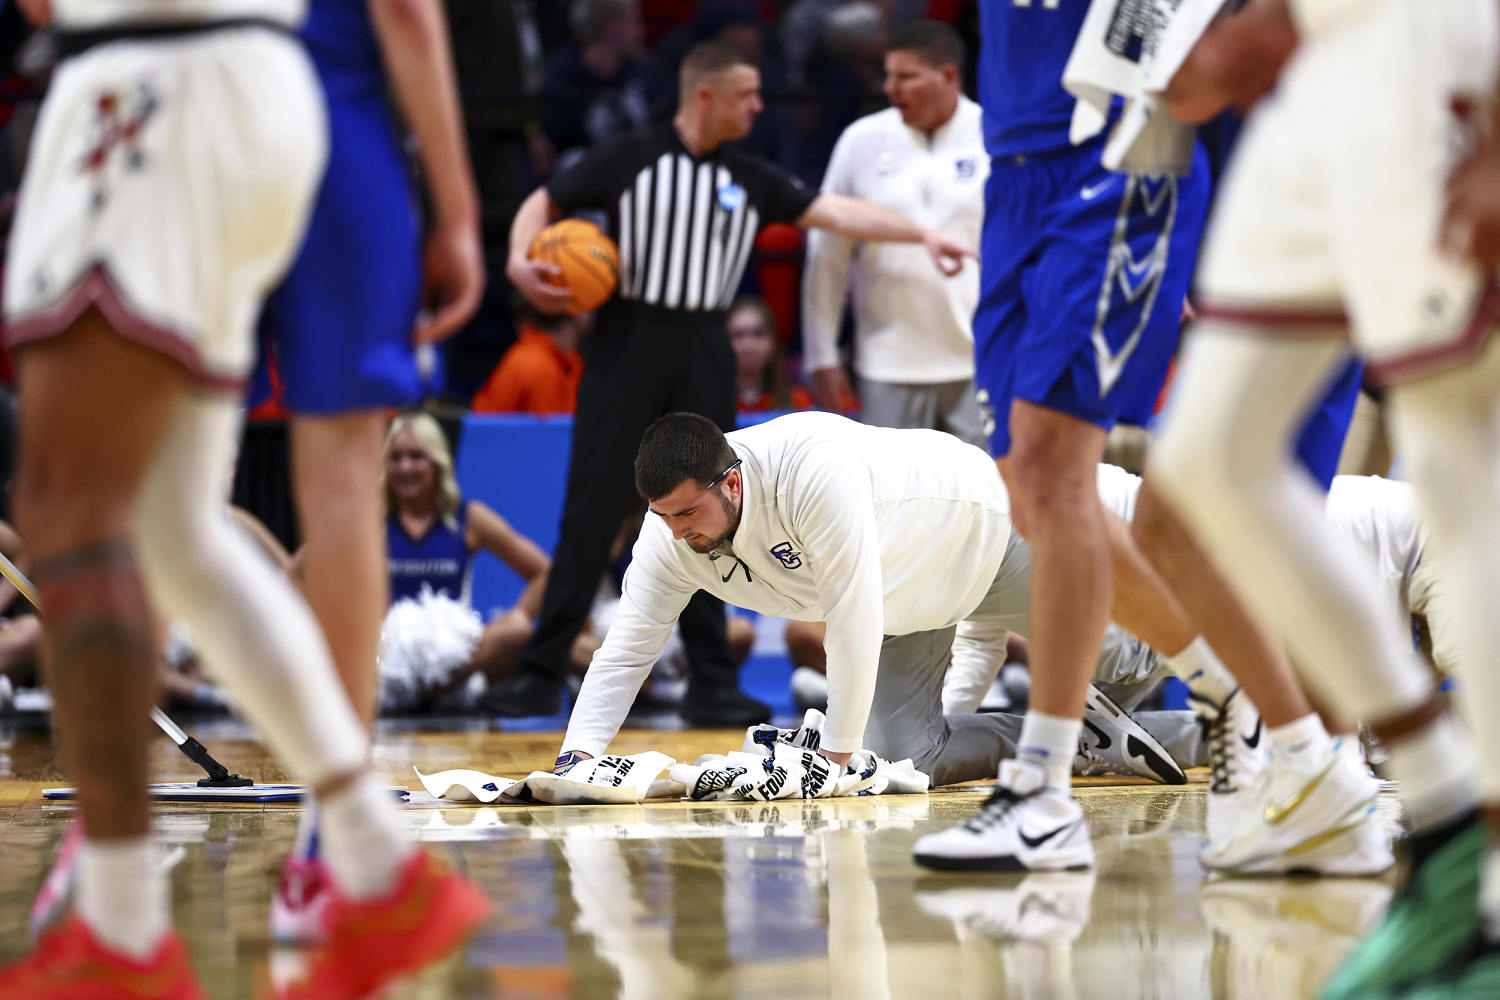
(1434, 772)
(307, 847)
(364, 841)
(254, 631)
(1198, 666)
(1301, 742)
(123, 894)
(1052, 742)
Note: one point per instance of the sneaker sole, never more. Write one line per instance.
(1324, 853)
(1143, 750)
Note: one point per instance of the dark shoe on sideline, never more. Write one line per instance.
(723, 708)
(523, 693)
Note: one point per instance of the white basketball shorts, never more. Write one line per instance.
(1331, 208)
(168, 185)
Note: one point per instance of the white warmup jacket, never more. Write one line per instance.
(911, 323)
(873, 530)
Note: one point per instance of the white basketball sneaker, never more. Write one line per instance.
(1318, 817)
(1237, 750)
(1025, 825)
(1111, 740)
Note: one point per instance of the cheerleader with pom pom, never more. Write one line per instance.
(433, 642)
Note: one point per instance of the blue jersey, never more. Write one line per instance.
(440, 558)
(1024, 45)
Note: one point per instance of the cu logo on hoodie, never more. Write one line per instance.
(789, 558)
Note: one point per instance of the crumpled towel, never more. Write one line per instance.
(602, 781)
(780, 772)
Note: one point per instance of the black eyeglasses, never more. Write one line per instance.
(716, 480)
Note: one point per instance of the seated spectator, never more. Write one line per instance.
(596, 84)
(760, 370)
(539, 373)
(433, 641)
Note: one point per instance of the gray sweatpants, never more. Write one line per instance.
(906, 715)
(939, 406)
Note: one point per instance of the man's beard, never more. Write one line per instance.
(732, 514)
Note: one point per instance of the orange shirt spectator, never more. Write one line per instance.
(538, 374)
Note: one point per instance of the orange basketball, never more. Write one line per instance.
(588, 259)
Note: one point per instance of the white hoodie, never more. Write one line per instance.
(875, 531)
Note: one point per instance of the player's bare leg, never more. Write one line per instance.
(1250, 653)
(1052, 475)
(1267, 690)
(336, 469)
(94, 408)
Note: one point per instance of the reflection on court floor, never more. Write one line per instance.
(783, 899)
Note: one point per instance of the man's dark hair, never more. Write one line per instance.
(937, 44)
(707, 59)
(676, 448)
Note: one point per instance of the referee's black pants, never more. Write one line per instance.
(639, 364)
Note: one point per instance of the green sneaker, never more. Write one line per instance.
(1477, 978)
(1433, 920)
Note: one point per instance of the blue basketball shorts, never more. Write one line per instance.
(340, 324)
(1083, 275)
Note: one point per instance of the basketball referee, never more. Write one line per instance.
(685, 210)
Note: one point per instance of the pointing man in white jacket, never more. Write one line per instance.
(924, 157)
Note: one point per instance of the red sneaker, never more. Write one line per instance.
(429, 913)
(71, 964)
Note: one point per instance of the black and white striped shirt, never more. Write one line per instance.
(685, 224)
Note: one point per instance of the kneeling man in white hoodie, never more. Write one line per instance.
(890, 536)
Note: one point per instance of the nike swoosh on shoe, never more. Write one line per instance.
(1099, 734)
(1039, 841)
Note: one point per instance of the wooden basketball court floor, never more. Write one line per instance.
(782, 900)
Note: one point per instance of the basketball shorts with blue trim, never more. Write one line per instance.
(1082, 279)
(340, 325)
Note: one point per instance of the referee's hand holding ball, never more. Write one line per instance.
(540, 283)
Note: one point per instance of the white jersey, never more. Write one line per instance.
(85, 14)
(875, 531)
(912, 324)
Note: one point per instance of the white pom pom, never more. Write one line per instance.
(422, 643)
